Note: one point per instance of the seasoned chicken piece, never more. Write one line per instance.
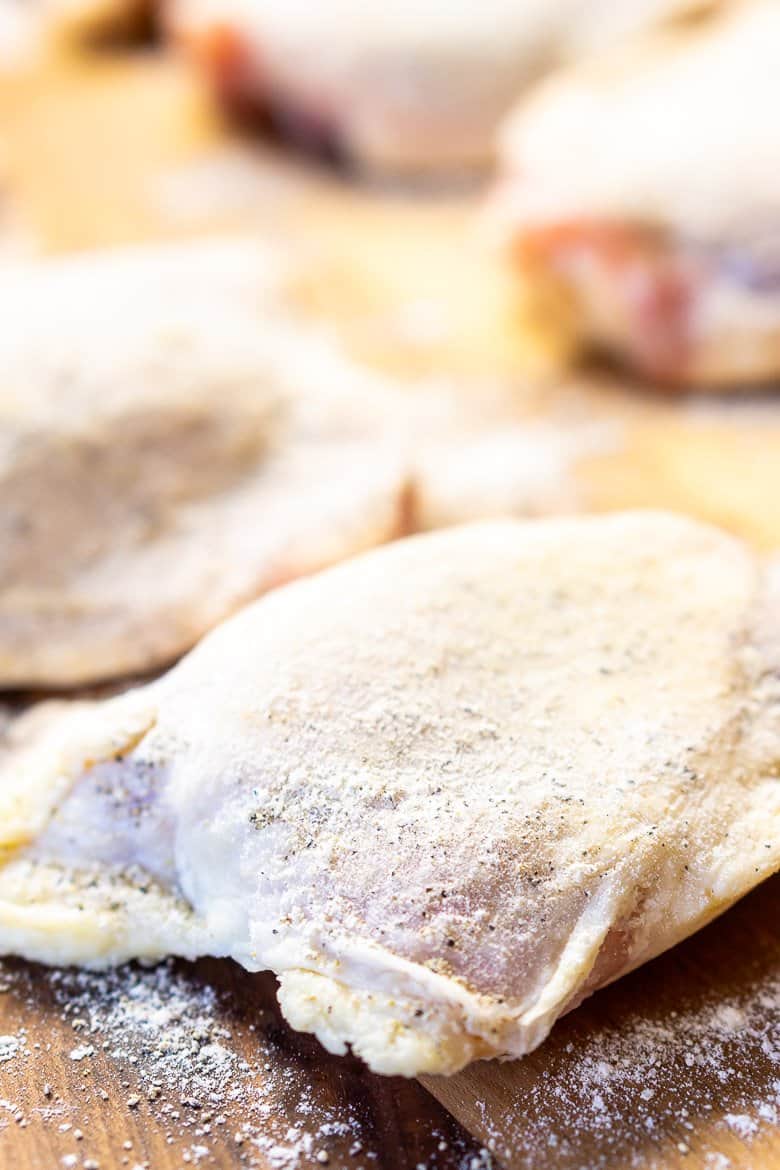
(171, 445)
(405, 87)
(444, 791)
(641, 199)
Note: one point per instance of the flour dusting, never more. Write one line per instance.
(622, 1093)
(186, 1061)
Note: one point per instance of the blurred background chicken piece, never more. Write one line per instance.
(170, 446)
(640, 196)
(412, 88)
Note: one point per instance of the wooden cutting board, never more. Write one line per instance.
(192, 1065)
(109, 150)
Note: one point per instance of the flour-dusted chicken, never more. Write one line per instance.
(171, 445)
(417, 86)
(444, 791)
(640, 197)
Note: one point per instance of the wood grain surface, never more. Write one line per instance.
(292, 1106)
(106, 150)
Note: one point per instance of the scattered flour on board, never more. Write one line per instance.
(9, 1046)
(172, 1035)
(621, 1091)
(615, 1093)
